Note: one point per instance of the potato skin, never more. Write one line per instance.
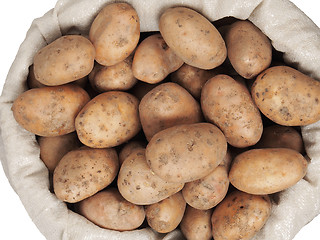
(83, 172)
(192, 37)
(287, 96)
(165, 106)
(196, 224)
(275, 169)
(117, 77)
(108, 120)
(139, 185)
(192, 78)
(249, 50)
(228, 104)
(115, 33)
(153, 60)
(108, 209)
(64, 60)
(52, 149)
(227, 160)
(50, 111)
(167, 214)
(277, 136)
(185, 153)
(129, 148)
(207, 192)
(32, 82)
(240, 216)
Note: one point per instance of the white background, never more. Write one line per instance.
(15, 19)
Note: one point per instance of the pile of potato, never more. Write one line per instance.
(142, 129)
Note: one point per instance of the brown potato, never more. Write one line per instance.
(228, 104)
(82, 173)
(50, 111)
(153, 60)
(227, 160)
(108, 209)
(129, 148)
(167, 214)
(192, 78)
(108, 120)
(138, 184)
(207, 192)
(52, 149)
(165, 106)
(192, 37)
(185, 153)
(32, 82)
(196, 224)
(115, 33)
(277, 136)
(287, 96)
(115, 77)
(240, 216)
(249, 50)
(65, 60)
(266, 171)
(96, 68)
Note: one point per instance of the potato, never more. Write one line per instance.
(277, 136)
(287, 96)
(192, 37)
(108, 209)
(227, 160)
(266, 171)
(192, 78)
(108, 120)
(115, 33)
(240, 216)
(116, 77)
(153, 60)
(207, 192)
(165, 106)
(32, 82)
(64, 60)
(139, 185)
(185, 153)
(129, 148)
(167, 214)
(82, 173)
(96, 68)
(249, 50)
(196, 224)
(52, 149)
(228, 104)
(49, 111)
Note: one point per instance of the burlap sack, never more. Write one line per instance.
(288, 28)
